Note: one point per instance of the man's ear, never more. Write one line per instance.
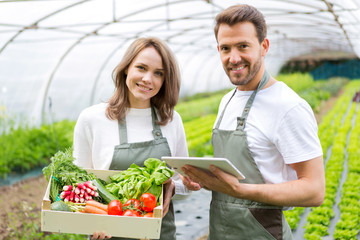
(218, 48)
(265, 46)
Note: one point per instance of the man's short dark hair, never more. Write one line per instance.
(242, 13)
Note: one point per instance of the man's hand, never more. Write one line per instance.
(189, 184)
(100, 236)
(215, 180)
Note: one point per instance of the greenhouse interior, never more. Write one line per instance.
(57, 58)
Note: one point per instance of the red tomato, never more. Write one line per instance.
(148, 202)
(132, 204)
(149, 214)
(131, 213)
(115, 207)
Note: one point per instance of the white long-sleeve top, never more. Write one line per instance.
(95, 137)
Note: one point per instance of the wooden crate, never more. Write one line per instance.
(86, 223)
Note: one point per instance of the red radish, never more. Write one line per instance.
(77, 190)
(64, 194)
(76, 198)
(81, 186)
(82, 200)
(82, 191)
(67, 188)
(86, 196)
(67, 199)
(90, 185)
(72, 195)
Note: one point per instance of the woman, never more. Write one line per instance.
(138, 122)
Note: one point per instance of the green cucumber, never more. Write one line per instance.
(103, 192)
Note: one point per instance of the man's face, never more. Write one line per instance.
(241, 54)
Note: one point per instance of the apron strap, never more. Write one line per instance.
(156, 127)
(123, 132)
(222, 113)
(242, 120)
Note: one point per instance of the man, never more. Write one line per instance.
(267, 131)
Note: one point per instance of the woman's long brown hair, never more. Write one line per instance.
(165, 100)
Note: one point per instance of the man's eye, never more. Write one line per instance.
(244, 46)
(224, 48)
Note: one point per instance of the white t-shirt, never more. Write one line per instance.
(281, 129)
(95, 137)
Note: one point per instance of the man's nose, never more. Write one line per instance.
(234, 57)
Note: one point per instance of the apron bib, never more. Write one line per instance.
(233, 218)
(127, 153)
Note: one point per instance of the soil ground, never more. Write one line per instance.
(31, 191)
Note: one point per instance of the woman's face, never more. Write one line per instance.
(145, 77)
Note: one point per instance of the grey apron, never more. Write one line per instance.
(127, 153)
(233, 218)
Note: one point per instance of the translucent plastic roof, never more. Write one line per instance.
(57, 56)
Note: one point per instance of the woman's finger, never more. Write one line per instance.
(169, 192)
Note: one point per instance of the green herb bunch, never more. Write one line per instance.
(64, 172)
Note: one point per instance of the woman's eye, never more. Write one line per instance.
(160, 74)
(141, 67)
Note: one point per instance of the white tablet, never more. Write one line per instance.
(203, 162)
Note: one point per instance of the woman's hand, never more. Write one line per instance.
(99, 236)
(169, 189)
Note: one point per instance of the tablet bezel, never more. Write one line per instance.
(204, 163)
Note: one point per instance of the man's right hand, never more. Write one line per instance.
(189, 184)
(99, 236)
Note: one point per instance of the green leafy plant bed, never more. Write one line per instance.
(339, 133)
(27, 148)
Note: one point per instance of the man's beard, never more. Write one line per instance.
(252, 71)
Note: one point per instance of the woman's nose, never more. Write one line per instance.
(147, 77)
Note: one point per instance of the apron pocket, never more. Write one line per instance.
(270, 219)
(233, 222)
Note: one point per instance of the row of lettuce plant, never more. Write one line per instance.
(198, 135)
(327, 131)
(348, 227)
(319, 218)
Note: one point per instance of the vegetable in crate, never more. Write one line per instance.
(148, 202)
(105, 195)
(64, 172)
(135, 181)
(60, 206)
